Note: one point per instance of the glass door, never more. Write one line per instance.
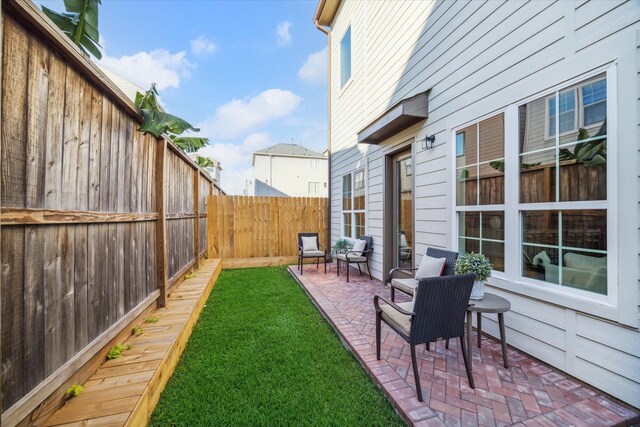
(403, 210)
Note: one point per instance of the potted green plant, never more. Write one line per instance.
(340, 247)
(477, 264)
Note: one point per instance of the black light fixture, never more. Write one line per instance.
(428, 141)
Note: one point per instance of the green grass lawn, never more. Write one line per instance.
(261, 354)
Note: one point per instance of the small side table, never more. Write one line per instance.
(490, 303)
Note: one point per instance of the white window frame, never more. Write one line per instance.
(581, 104)
(343, 85)
(576, 117)
(512, 280)
(477, 207)
(353, 211)
(314, 164)
(316, 186)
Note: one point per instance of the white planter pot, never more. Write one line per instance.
(478, 290)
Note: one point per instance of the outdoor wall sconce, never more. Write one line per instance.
(428, 141)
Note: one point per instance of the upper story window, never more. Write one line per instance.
(345, 58)
(314, 188)
(314, 164)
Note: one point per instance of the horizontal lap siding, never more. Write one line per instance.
(477, 57)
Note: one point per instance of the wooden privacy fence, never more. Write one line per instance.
(250, 227)
(98, 220)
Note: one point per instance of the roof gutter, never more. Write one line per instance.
(328, 34)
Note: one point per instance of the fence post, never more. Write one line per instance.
(161, 225)
(196, 223)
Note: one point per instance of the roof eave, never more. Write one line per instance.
(326, 11)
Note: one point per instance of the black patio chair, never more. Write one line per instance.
(351, 257)
(302, 254)
(407, 284)
(440, 307)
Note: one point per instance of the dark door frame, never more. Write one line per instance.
(388, 226)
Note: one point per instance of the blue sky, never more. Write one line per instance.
(250, 73)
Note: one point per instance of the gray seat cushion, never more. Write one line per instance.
(406, 285)
(400, 321)
(352, 258)
(312, 253)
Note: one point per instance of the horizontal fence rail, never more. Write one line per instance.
(251, 227)
(98, 219)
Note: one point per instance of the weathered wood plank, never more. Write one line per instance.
(37, 91)
(22, 216)
(161, 225)
(12, 285)
(14, 119)
(34, 325)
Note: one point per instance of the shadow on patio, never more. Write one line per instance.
(528, 393)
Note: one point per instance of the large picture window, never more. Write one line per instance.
(353, 204)
(563, 242)
(480, 185)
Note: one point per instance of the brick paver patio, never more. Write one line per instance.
(529, 393)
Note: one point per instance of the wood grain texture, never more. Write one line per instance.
(23, 216)
(248, 227)
(85, 219)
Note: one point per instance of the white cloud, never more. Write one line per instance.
(284, 35)
(235, 159)
(314, 69)
(202, 46)
(158, 66)
(240, 117)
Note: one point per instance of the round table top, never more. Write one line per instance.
(490, 303)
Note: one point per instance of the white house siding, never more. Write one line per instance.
(479, 57)
(288, 176)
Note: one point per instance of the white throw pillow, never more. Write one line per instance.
(309, 243)
(403, 241)
(430, 267)
(358, 247)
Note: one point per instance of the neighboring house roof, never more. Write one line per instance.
(128, 87)
(287, 150)
(326, 11)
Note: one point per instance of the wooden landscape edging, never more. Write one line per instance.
(48, 395)
(125, 391)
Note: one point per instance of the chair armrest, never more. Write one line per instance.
(393, 270)
(320, 245)
(368, 251)
(395, 306)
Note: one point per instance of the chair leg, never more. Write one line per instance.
(325, 264)
(393, 294)
(378, 324)
(446, 344)
(359, 269)
(369, 270)
(466, 363)
(347, 271)
(317, 262)
(416, 372)
(427, 346)
(338, 266)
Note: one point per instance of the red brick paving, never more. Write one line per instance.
(529, 393)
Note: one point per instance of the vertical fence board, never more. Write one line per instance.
(14, 96)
